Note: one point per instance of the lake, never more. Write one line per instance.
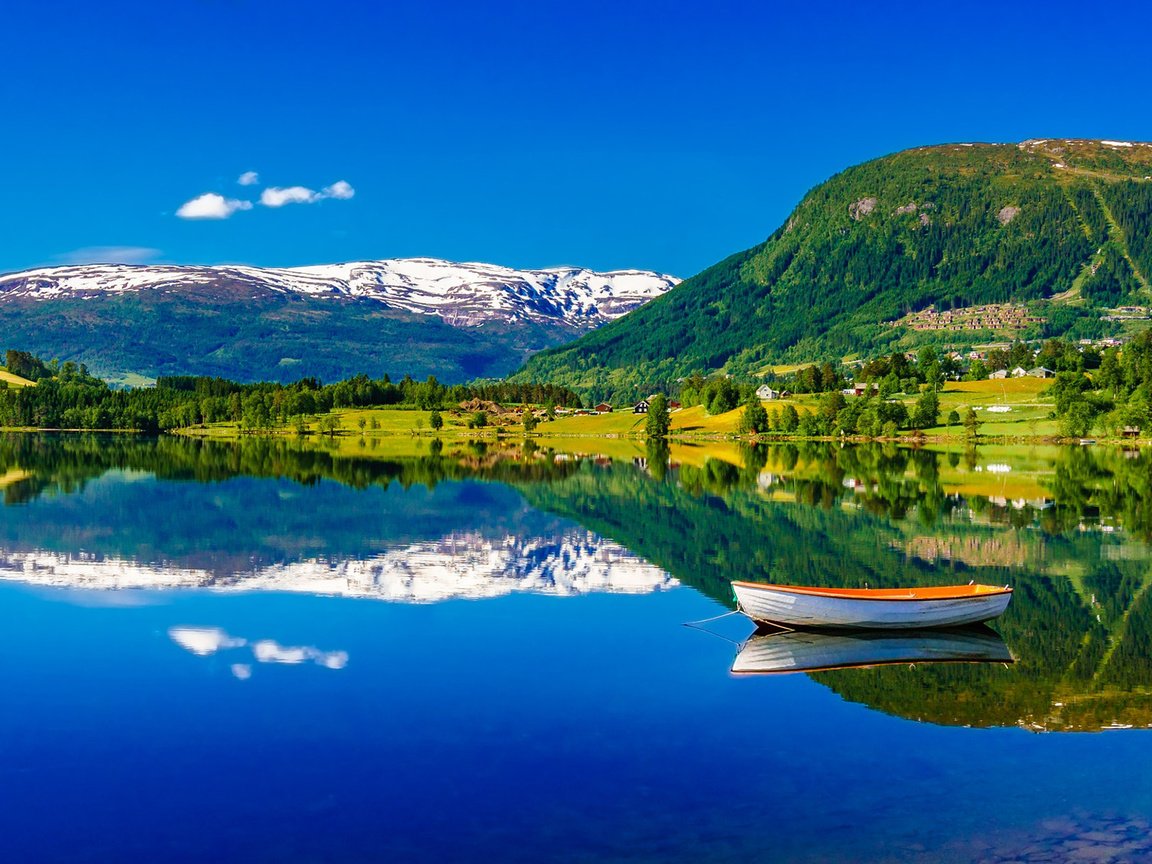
(270, 652)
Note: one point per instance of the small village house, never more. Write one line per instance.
(640, 407)
(603, 408)
(765, 393)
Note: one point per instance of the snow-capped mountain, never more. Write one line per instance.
(463, 295)
(416, 316)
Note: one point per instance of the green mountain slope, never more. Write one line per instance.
(1057, 231)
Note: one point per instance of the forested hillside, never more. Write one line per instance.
(908, 249)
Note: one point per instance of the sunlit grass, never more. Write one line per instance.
(14, 380)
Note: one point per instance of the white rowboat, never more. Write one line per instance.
(871, 608)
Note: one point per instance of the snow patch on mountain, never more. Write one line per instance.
(464, 295)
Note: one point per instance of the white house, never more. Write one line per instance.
(998, 375)
(1019, 372)
(765, 393)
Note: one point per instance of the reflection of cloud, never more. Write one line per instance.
(270, 651)
(204, 640)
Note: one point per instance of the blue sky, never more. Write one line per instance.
(611, 135)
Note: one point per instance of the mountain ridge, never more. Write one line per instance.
(1057, 231)
(418, 315)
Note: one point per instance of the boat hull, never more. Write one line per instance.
(768, 604)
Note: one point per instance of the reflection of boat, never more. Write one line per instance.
(905, 608)
(817, 651)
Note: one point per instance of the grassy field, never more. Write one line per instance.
(1026, 416)
(1027, 410)
(1012, 408)
(685, 421)
(622, 422)
(14, 380)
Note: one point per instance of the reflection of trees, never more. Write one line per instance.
(1099, 677)
(806, 513)
(657, 452)
(1095, 482)
(1081, 641)
(64, 463)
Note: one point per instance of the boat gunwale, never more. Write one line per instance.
(880, 594)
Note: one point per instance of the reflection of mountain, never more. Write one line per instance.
(267, 514)
(456, 566)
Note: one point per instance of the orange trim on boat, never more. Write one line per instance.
(942, 592)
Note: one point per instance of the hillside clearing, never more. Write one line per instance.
(14, 380)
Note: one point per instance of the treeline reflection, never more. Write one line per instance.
(1068, 528)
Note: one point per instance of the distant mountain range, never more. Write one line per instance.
(417, 316)
(951, 245)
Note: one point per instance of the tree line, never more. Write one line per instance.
(67, 396)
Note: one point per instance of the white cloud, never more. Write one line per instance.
(278, 196)
(110, 255)
(275, 196)
(341, 189)
(211, 206)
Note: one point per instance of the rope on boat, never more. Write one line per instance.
(697, 625)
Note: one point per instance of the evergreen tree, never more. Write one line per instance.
(789, 420)
(927, 407)
(658, 421)
(971, 423)
(754, 419)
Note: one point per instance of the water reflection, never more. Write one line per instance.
(810, 651)
(1067, 528)
(456, 566)
(205, 641)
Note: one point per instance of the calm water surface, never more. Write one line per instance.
(265, 653)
